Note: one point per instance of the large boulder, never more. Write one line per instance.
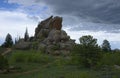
(56, 23)
(43, 25)
(54, 36)
(64, 36)
(46, 25)
(43, 33)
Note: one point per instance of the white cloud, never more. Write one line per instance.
(31, 7)
(15, 23)
(113, 38)
(23, 2)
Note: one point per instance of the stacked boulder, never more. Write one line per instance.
(52, 38)
(49, 37)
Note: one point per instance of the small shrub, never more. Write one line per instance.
(3, 62)
(56, 47)
(34, 57)
(82, 74)
(59, 62)
(87, 56)
(86, 75)
(34, 45)
(111, 59)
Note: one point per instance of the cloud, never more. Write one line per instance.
(115, 44)
(113, 38)
(97, 34)
(31, 7)
(15, 23)
(22, 2)
(93, 15)
(108, 28)
(106, 11)
(98, 10)
(75, 12)
(36, 18)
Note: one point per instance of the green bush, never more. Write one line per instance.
(61, 61)
(3, 62)
(34, 45)
(34, 57)
(82, 74)
(111, 59)
(2, 50)
(56, 47)
(87, 56)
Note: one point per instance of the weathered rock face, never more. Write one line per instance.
(52, 38)
(49, 38)
(45, 26)
(57, 23)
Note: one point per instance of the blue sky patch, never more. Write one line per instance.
(7, 6)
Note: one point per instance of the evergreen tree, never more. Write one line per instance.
(88, 40)
(8, 41)
(89, 51)
(106, 46)
(26, 36)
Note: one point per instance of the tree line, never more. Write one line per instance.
(8, 43)
(89, 52)
(87, 40)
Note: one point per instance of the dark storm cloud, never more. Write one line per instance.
(75, 12)
(100, 12)
(106, 11)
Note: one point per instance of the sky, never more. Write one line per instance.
(99, 18)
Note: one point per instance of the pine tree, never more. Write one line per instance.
(89, 51)
(8, 41)
(106, 46)
(26, 36)
(88, 40)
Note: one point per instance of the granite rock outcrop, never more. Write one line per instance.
(50, 38)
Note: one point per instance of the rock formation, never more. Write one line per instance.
(50, 37)
(45, 26)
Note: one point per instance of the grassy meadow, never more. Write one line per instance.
(35, 64)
